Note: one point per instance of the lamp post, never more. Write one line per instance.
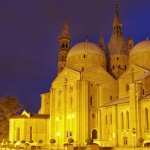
(134, 136)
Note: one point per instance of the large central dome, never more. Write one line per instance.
(85, 55)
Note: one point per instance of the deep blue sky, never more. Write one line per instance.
(28, 38)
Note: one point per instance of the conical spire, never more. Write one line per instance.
(65, 31)
(64, 40)
(117, 8)
(118, 53)
(117, 26)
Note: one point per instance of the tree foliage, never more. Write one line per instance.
(9, 106)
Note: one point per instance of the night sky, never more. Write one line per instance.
(28, 38)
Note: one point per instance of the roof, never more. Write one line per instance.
(36, 116)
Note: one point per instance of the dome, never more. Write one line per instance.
(140, 54)
(85, 55)
(141, 47)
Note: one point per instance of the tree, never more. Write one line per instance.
(9, 106)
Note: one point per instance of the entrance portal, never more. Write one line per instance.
(94, 134)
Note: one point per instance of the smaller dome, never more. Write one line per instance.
(141, 47)
(140, 54)
(85, 55)
(85, 47)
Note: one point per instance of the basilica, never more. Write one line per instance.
(101, 91)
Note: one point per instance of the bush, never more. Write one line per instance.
(23, 141)
(40, 141)
(70, 140)
(52, 141)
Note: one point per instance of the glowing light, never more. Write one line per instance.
(58, 134)
(114, 135)
(69, 116)
(57, 118)
(73, 116)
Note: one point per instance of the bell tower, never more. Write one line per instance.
(117, 46)
(64, 40)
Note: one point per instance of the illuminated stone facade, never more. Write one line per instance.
(105, 97)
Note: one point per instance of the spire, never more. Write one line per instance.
(101, 42)
(117, 8)
(64, 37)
(117, 26)
(118, 52)
(65, 33)
(64, 41)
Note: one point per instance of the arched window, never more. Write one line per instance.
(82, 69)
(69, 133)
(127, 116)
(122, 121)
(143, 92)
(146, 119)
(113, 67)
(125, 139)
(63, 45)
(93, 116)
(66, 45)
(84, 56)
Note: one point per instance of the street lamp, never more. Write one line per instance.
(134, 135)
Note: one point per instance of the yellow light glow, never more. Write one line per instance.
(73, 115)
(57, 118)
(58, 134)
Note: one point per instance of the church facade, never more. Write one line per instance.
(95, 95)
